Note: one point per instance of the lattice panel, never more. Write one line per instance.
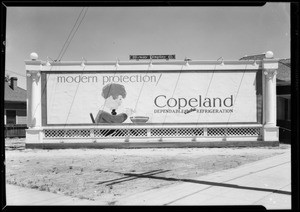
(190, 132)
(120, 133)
(153, 132)
(216, 131)
(67, 133)
(163, 132)
(243, 131)
(77, 133)
(111, 133)
(138, 132)
(54, 133)
(176, 132)
(240, 131)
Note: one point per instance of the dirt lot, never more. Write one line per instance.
(109, 174)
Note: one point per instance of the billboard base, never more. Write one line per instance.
(128, 145)
(151, 136)
(270, 133)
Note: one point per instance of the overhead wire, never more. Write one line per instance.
(237, 93)
(63, 55)
(141, 89)
(173, 94)
(104, 104)
(110, 132)
(227, 123)
(73, 100)
(238, 90)
(208, 87)
(72, 34)
(60, 55)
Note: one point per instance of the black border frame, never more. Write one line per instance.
(294, 15)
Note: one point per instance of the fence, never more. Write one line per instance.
(284, 131)
(18, 130)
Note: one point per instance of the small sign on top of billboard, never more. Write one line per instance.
(154, 57)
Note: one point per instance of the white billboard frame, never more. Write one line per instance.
(39, 132)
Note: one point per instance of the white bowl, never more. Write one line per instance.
(139, 119)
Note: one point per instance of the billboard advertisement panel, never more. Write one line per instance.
(160, 97)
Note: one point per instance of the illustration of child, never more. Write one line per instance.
(113, 94)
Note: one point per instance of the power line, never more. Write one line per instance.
(237, 93)
(72, 36)
(69, 34)
(174, 90)
(210, 81)
(140, 91)
(72, 101)
(64, 50)
(59, 55)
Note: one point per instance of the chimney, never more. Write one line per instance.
(13, 82)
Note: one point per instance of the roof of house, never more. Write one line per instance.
(14, 95)
(283, 71)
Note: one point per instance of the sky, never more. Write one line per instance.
(107, 33)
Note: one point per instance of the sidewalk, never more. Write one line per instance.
(266, 182)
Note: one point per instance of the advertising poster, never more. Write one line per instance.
(157, 97)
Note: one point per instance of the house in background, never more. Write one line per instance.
(15, 117)
(283, 91)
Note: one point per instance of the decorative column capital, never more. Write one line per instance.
(32, 73)
(270, 73)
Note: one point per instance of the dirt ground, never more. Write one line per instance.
(109, 174)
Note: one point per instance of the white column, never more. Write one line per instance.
(35, 100)
(270, 97)
(270, 130)
(34, 134)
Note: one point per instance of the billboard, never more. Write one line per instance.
(165, 97)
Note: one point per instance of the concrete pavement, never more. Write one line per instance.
(266, 182)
